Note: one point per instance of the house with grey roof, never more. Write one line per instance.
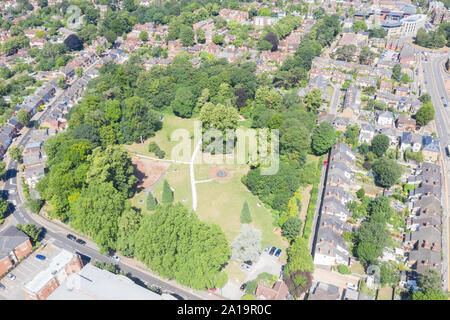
(426, 236)
(385, 119)
(428, 205)
(319, 82)
(339, 193)
(332, 206)
(14, 245)
(341, 152)
(423, 259)
(411, 140)
(330, 248)
(426, 190)
(367, 132)
(324, 291)
(430, 148)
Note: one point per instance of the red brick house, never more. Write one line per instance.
(14, 245)
(278, 292)
(401, 91)
(406, 123)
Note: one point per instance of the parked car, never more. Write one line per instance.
(79, 241)
(244, 285)
(2, 287)
(40, 257)
(351, 286)
(71, 237)
(10, 276)
(245, 267)
(277, 254)
(271, 252)
(115, 257)
(248, 262)
(266, 249)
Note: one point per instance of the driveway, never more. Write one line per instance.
(334, 278)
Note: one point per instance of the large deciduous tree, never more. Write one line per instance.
(387, 171)
(380, 143)
(323, 138)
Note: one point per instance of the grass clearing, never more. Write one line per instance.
(356, 267)
(162, 137)
(179, 181)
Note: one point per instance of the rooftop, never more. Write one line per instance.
(92, 283)
(43, 277)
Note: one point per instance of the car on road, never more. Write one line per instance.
(277, 254)
(115, 257)
(445, 105)
(40, 257)
(244, 285)
(10, 276)
(2, 287)
(71, 237)
(426, 82)
(448, 150)
(351, 286)
(79, 241)
(272, 251)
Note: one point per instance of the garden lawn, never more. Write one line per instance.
(179, 181)
(221, 203)
(356, 267)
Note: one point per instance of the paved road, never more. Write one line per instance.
(335, 99)
(436, 89)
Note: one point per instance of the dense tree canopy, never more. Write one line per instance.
(323, 138)
(175, 244)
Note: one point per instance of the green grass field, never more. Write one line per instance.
(162, 137)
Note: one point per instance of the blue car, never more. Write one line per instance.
(277, 254)
(272, 251)
(40, 257)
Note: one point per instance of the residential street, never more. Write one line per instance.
(434, 78)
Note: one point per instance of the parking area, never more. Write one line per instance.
(266, 263)
(26, 271)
